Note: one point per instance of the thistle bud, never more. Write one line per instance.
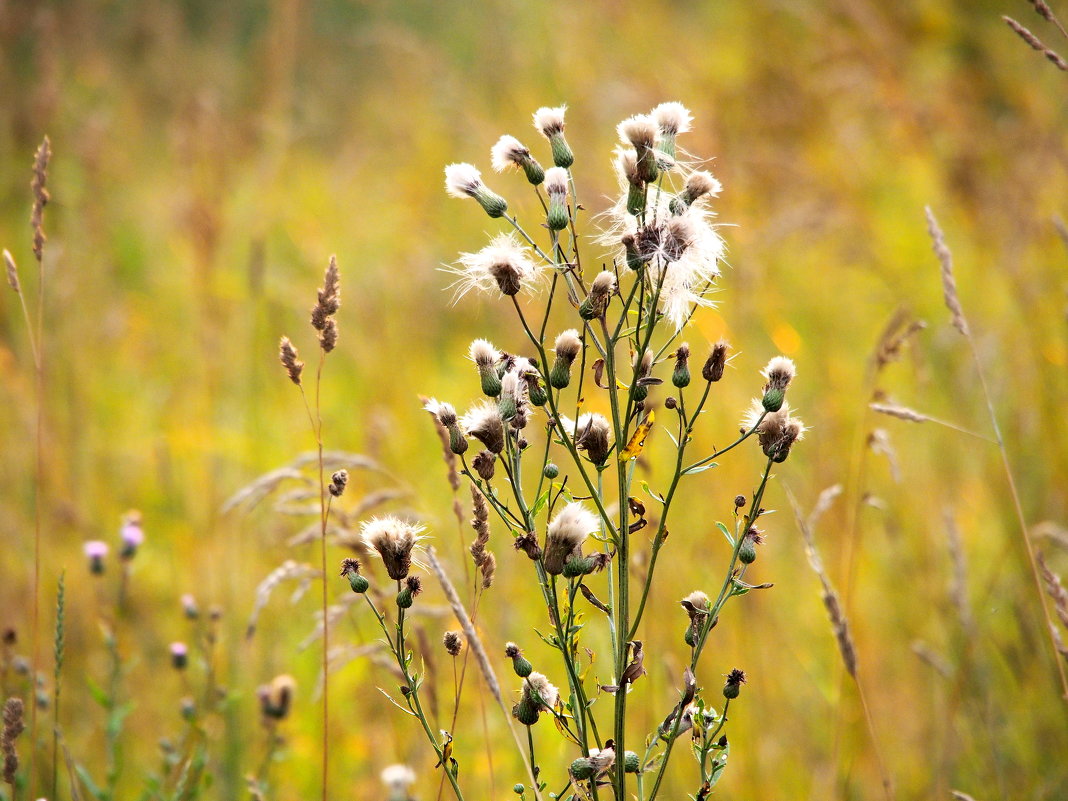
(550, 123)
(581, 769)
(464, 180)
(747, 551)
(778, 375)
(412, 587)
(276, 698)
(350, 569)
(556, 188)
(518, 789)
(631, 762)
(131, 534)
(526, 711)
(579, 566)
(520, 664)
(510, 152)
(717, 360)
(551, 471)
(672, 119)
(773, 399)
(699, 184)
(739, 501)
(179, 655)
(96, 551)
(735, 680)
(641, 132)
(189, 607)
(536, 393)
(486, 357)
(507, 404)
(670, 402)
(643, 369)
(634, 256)
(568, 346)
(680, 377)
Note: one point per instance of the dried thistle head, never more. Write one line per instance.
(276, 698)
(287, 354)
(393, 539)
(671, 118)
(338, 482)
(453, 642)
(485, 464)
(591, 434)
(567, 348)
(777, 431)
(642, 132)
(716, 362)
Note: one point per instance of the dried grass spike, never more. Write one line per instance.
(40, 196)
(1036, 44)
(949, 284)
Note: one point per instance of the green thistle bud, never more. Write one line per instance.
(535, 173)
(690, 637)
(636, 199)
(526, 711)
(579, 566)
(358, 583)
(640, 392)
(412, 587)
(557, 218)
(562, 155)
(586, 310)
(677, 206)
(535, 391)
(522, 667)
(747, 551)
(560, 374)
(457, 440)
(506, 406)
(493, 204)
(582, 769)
(350, 569)
(631, 763)
(491, 382)
(681, 375)
(773, 399)
(634, 256)
(735, 680)
(518, 789)
(551, 471)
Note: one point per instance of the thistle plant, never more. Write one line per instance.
(551, 448)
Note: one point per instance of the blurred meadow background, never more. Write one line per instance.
(210, 157)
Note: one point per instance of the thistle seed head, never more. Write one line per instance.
(394, 540)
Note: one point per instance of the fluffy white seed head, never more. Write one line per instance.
(394, 540)
(697, 599)
(444, 412)
(509, 152)
(572, 524)
(604, 283)
(549, 121)
(462, 180)
(672, 118)
(625, 163)
(568, 345)
(779, 373)
(541, 691)
(483, 421)
(397, 780)
(503, 265)
(640, 130)
(483, 353)
(701, 183)
(556, 181)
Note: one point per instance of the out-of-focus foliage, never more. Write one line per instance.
(210, 156)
